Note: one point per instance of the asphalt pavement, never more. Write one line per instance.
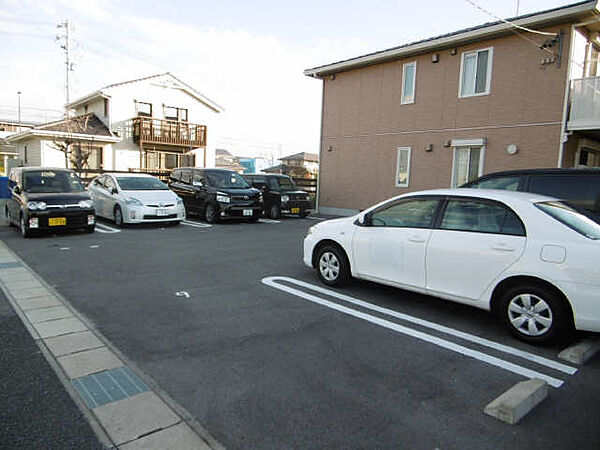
(36, 412)
(259, 367)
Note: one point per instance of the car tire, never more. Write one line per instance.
(174, 223)
(303, 214)
(118, 217)
(25, 232)
(90, 229)
(535, 314)
(275, 212)
(332, 266)
(210, 213)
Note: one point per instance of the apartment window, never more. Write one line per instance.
(468, 164)
(403, 167)
(476, 73)
(144, 109)
(173, 113)
(409, 75)
(105, 107)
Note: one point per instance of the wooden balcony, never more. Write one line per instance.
(148, 130)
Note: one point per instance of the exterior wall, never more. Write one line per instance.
(34, 155)
(96, 107)
(364, 121)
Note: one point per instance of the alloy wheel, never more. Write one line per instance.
(329, 266)
(530, 315)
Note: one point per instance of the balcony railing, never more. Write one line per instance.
(585, 104)
(169, 132)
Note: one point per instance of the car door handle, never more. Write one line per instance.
(502, 248)
(417, 239)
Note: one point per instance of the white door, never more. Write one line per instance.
(393, 244)
(95, 190)
(476, 241)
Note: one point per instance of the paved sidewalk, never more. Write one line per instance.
(36, 412)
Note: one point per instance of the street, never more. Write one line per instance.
(230, 323)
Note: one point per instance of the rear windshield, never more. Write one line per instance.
(141, 184)
(582, 191)
(571, 218)
(226, 180)
(46, 181)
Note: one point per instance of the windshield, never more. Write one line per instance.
(45, 181)
(571, 218)
(286, 183)
(226, 180)
(141, 184)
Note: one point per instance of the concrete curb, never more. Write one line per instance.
(75, 350)
(581, 352)
(515, 403)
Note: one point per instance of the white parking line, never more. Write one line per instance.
(269, 221)
(506, 365)
(103, 228)
(195, 224)
(315, 218)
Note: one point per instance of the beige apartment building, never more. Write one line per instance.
(443, 111)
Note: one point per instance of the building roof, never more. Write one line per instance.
(179, 84)
(87, 127)
(488, 30)
(17, 123)
(308, 157)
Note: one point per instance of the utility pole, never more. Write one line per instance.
(19, 109)
(518, 1)
(65, 40)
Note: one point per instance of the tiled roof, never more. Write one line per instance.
(86, 124)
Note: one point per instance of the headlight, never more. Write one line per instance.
(308, 197)
(86, 204)
(33, 206)
(285, 199)
(260, 197)
(179, 201)
(311, 230)
(132, 201)
(223, 198)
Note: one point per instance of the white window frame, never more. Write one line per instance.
(488, 81)
(469, 146)
(398, 151)
(414, 83)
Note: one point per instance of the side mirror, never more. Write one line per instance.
(16, 190)
(367, 220)
(114, 191)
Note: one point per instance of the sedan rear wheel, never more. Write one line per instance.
(210, 213)
(535, 314)
(118, 215)
(332, 266)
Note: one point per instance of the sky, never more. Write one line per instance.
(246, 56)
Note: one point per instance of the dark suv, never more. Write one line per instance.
(216, 194)
(48, 199)
(281, 195)
(578, 186)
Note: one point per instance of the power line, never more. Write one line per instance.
(529, 30)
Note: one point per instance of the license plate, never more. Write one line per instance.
(57, 221)
(161, 212)
(295, 210)
(247, 212)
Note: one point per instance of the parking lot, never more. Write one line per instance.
(231, 324)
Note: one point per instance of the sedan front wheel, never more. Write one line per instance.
(332, 266)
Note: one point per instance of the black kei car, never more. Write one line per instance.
(580, 187)
(281, 195)
(216, 194)
(48, 199)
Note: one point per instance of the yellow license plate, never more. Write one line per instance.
(57, 221)
(295, 210)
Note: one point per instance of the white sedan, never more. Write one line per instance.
(135, 198)
(530, 259)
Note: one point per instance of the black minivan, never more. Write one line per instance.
(281, 195)
(48, 199)
(216, 194)
(579, 187)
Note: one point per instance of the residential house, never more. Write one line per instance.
(521, 93)
(162, 123)
(8, 152)
(300, 165)
(42, 145)
(225, 160)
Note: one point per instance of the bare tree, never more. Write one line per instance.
(77, 151)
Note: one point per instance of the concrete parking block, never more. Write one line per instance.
(72, 343)
(515, 403)
(31, 283)
(88, 362)
(60, 326)
(38, 303)
(136, 416)
(581, 352)
(46, 314)
(178, 437)
(23, 294)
